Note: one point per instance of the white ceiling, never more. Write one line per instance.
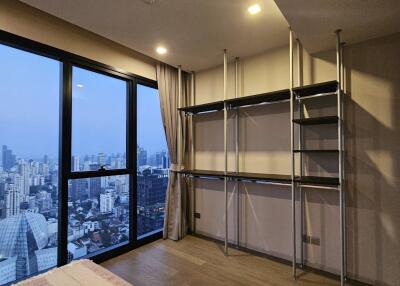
(195, 32)
(315, 21)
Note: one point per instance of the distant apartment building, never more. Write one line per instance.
(106, 203)
(12, 200)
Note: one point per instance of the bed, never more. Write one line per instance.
(78, 273)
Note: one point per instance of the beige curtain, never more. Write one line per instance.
(177, 216)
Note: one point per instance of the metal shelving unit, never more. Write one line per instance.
(299, 96)
(293, 96)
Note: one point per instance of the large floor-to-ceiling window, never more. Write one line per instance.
(29, 120)
(73, 183)
(152, 162)
(98, 202)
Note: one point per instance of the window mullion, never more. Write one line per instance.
(64, 159)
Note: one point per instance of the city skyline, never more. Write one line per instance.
(98, 208)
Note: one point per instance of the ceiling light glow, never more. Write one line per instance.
(254, 9)
(79, 85)
(161, 50)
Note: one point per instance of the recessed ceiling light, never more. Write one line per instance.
(161, 50)
(254, 9)
(79, 85)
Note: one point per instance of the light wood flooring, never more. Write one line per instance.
(196, 261)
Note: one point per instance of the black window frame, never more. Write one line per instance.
(67, 61)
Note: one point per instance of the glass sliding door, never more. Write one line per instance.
(29, 126)
(152, 164)
(99, 178)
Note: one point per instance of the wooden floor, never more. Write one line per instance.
(196, 261)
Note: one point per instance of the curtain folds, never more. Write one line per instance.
(177, 218)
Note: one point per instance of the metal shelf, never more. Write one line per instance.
(264, 98)
(316, 151)
(324, 181)
(203, 108)
(317, 120)
(204, 173)
(240, 176)
(328, 87)
(259, 177)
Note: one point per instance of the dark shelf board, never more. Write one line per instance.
(204, 173)
(326, 181)
(317, 120)
(318, 88)
(201, 108)
(239, 176)
(268, 97)
(260, 177)
(316, 151)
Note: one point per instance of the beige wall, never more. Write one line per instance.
(25, 21)
(372, 115)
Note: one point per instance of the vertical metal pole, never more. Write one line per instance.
(339, 112)
(179, 153)
(192, 150)
(301, 194)
(179, 143)
(226, 153)
(342, 66)
(344, 164)
(292, 153)
(299, 64)
(237, 154)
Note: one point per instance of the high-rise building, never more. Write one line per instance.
(151, 188)
(152, 161)
(23, 168)
(2, 189)
(12, 200)
(35, 168)
(8, 159)
(44, 201)
(79, 189)
(75, 163)
(3, 156)
(164, 160)
(101, 159)
(106, 202)
(141, 156)
(94, 183)
(159, 159)
(46, 170)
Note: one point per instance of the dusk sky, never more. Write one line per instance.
(29, 109)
